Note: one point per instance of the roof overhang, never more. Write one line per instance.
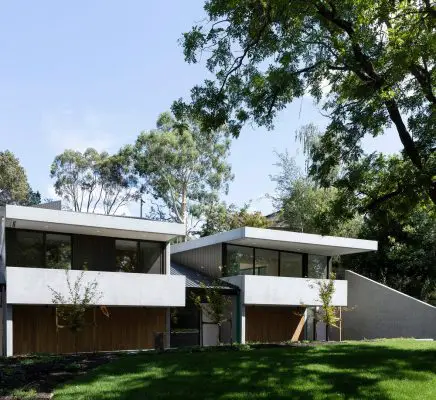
(90, 224)
(282, 240)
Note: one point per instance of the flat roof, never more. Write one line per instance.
(282, 240)
(41, 219)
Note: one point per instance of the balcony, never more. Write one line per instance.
(32, 286)
(282, 291)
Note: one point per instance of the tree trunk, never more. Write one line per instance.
(183, 213)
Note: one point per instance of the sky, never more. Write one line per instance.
(96, 73)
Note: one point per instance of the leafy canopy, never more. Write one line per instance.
(93, 181)
(372, 62)
(220, 217)
(181, 168)
(14, 188)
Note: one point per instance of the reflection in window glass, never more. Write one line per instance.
(317, 267)
(58, 251)
(267, 262)
(239, 261)
(25, 249)
(150, 258)
(126, 252)
(291, 265)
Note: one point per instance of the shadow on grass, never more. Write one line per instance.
(341, 371)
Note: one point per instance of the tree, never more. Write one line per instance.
(328, 312)
(182, 167)
(92, 181)
(217, 304)
(406, 256)
(14, 188)
(219, 217)
(306, 207)
(373, 62)
(71, 308)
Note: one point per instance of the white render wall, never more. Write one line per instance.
(377, 311)
(32, 286)
(282, 291)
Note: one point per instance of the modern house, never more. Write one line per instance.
(129, 258)
(278, 275)
(146, 288)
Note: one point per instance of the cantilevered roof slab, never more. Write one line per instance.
(282, 240)
(40, 219)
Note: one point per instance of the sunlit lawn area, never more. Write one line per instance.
(389, 369)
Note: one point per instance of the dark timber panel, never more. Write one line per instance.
(127, 328)
(268, 324)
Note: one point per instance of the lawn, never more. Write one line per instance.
(388, 369)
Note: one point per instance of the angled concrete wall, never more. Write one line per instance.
(378, 311)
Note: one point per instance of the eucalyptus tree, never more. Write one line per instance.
(93, 181)
(181, 167)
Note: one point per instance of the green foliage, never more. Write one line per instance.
(14, 188)
(182, 168)
(406, 256)
(371, 63)
(71, 308)
(218, 217)
(328, 313)
(306, 207)
(91, 181)
(218, 303)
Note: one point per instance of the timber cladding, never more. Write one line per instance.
(269, 324)
(126, 328)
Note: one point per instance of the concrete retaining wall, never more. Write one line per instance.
(378, 311)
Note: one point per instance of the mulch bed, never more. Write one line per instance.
(43, 373)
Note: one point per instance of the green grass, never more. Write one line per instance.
(388, 369)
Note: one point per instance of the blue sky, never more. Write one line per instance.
(96, 73)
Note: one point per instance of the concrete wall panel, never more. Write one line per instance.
(377, 311)
(32, 286)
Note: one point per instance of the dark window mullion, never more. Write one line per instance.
(44, 250)
(279, 259)
(254, 261)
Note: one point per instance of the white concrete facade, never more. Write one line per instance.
(32, 286)
(281, 291)
(378, 311)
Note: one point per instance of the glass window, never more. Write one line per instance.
(291, 265)
(150, 258)
(24, 249)
(267, 262)
(126, 254)
(317, 267)
(57, 251)
(239, 261)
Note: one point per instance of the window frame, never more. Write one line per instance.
(72, 235)
(305, 259)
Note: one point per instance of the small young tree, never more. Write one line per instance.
(218, 304)
(328, 312)
(71, 308)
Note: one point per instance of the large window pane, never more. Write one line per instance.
(317, 267)
(126, 252)
(24, 249)
(58, 251)
(239, 261)
(150, 258)
(266, 262)
(291, 265)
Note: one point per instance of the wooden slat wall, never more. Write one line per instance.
(127, 328)
(273, 324)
